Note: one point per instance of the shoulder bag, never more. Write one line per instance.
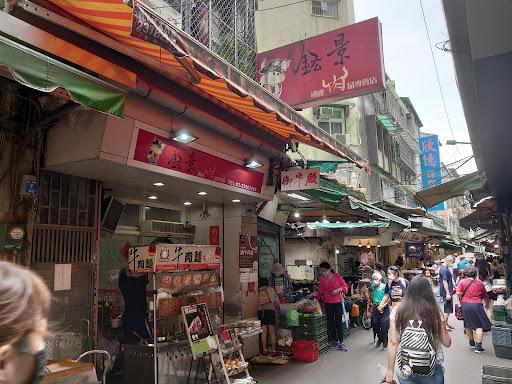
(458, 308)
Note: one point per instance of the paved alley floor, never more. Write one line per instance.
(360, 364)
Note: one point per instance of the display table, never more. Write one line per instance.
(64, 372)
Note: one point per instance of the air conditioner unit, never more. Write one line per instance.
(158, 228)
(343, 138)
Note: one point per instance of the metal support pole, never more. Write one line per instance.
(210, 15)
(235, 34)
(155, 338)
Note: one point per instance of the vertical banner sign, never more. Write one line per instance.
(214, 235)
(430, 160)
(336, 65)
(199, 330)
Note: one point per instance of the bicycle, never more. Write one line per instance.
(366, 318)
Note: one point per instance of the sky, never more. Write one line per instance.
(408, 61)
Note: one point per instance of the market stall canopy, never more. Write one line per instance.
(340, 225)
(382, 214)
(453, 188)
(202, 71)
(421, 234)
(401, 210)
(484, 216)
(331, 192)
(39, 71)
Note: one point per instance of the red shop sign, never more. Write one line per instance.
(161, 152)
(336, 65)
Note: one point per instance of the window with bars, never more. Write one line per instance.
(325, 8)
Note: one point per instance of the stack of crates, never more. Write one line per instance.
(313, 328)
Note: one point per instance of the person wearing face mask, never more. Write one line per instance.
(380, 312)
(24, 308)
(395, 289)
(332, 287)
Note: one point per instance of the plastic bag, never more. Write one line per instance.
(292, 318)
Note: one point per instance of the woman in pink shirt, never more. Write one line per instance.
(472, 293)
(331, 289)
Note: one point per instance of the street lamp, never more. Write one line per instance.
(455, 142)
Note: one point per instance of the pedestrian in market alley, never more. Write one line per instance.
(268, 303)
(332, 288)
(446, 289)
(417, 335)
(380, 312)
(395, 288)
(24, 308)
(472, 293)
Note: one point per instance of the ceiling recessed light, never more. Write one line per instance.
(202, 193)
(152, 197)
(183, 136)
(296, 215)
(235, 200)
(147, 208)
(253, 163)
(159, 184)
(187, 203)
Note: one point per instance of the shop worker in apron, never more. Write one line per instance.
(135, 317)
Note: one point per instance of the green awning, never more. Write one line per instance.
(326, 166)
(340, 225)
(330, 192)
(38, 71)
(386, 123)
(357, 204)
(453, 188)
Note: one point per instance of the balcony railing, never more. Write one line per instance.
(386, 104)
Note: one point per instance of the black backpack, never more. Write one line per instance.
(416, 354)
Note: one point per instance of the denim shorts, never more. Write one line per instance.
(438, 378)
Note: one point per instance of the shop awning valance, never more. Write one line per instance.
(341, 225)
(453, 188)
(357, 204)
(330, 193)
(326, 166)
(213, 77)
(38, 71)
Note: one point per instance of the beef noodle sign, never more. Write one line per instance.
(336, 65)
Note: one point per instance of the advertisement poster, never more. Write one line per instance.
(336, 65)
(173, 257)
(199, 330)
(248, 252)
(301, 179)
(165, 153)
(430, 160)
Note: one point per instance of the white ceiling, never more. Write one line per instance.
(136, 184)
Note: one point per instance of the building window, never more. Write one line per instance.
(325, 8)
(331, 119)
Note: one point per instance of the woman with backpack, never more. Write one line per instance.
(472, 293)
(268, 302)
(416, 336)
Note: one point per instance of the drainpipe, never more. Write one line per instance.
(175, 104)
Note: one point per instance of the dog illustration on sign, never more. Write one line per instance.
(273, 75)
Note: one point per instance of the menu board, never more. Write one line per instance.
(199, 330)
(182, 282)
(173, 257)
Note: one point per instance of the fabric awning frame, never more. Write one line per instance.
(46, 74)
(357, 204)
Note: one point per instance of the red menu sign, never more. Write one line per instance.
(336, 65)
(162, 152)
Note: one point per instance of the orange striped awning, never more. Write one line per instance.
(114, 18)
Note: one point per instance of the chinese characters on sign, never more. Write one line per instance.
(336, 65)
(248, 251)
(172, 257)
(300, 179)
(430, 161)
(161, 152)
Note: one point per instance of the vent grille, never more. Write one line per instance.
(168, 228)
(62, 245)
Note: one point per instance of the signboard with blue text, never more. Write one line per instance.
(430, 160)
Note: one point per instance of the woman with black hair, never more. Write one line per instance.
(472, 292)
(418, 332)
(267, 304)
(331, 289)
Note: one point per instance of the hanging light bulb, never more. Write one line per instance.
(324, 220)
(360, 244)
